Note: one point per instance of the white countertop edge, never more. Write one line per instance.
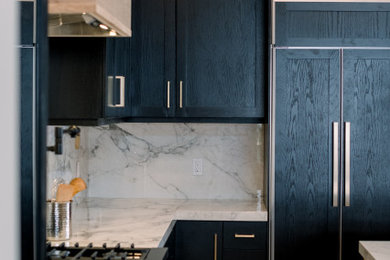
(375, 250)
(364, 252)
(221, 215)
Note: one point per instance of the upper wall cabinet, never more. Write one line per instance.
(332, 24)
(153, 58)
(222, 53)
(201, 60)
(89, 80)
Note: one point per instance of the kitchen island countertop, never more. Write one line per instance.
(375, 250)
(145, 221)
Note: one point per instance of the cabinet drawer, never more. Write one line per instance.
(234, 254)
(314, 24)
(245, 235)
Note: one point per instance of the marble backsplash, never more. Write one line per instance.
(70, 164)
(140, 160)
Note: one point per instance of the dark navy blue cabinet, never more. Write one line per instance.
(89, 81)
(198, 240)
(332, 24)
(313, 154)
(367, 108)
(202, 60)
(26, 76)
(153, 62)
(211, 240)
(26, 11)
(221, 58)
(307, 102)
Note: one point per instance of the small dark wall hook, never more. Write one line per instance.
(57, 148)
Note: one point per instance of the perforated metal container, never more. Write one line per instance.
(58, 220)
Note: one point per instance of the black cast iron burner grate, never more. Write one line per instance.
(95, 253)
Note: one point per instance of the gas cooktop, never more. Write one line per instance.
(104, 252)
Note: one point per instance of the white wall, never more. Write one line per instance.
(9, 191)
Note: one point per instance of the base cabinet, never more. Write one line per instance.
(216, 240)
(234, 254)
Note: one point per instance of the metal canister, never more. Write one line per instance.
(58, 220)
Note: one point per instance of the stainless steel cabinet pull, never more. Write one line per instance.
(335, 164)
(168, 94)
(244, 235)
(181, 95)
(215, 246)
(347, 164)
(111, 91)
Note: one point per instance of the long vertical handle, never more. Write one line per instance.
(168, 94)
(215, 246)
(335, 164)
(181, 94)
(347, 163)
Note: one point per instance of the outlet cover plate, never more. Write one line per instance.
(197, 167)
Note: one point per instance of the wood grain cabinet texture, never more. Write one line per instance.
(332, 24)
(187, 61)
(308, 89)
(367, 107)
(308, 95)
(200, 60)
(316, 87)
(216, 240)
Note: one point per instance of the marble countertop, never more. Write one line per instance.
(145, 221)
(375, 250)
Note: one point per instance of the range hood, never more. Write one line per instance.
(86, 18)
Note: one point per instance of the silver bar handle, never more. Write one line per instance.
(122, 91)
(110, 91)
(168, 94)
(335, 164)
(347, 162)
(181, 95)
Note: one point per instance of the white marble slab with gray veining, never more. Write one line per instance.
(145, 221)
(375, 250)
(156, 161)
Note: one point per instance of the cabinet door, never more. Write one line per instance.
(332, 24)
(234, 254)
(367, 107)
(198, 240)
(118, 73)
(153, 58)
(26, 10)
(222, 53)
(26, 149)
(307, 102)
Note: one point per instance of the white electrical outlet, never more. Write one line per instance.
(197, 167)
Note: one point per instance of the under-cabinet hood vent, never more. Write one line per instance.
(87, 18)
